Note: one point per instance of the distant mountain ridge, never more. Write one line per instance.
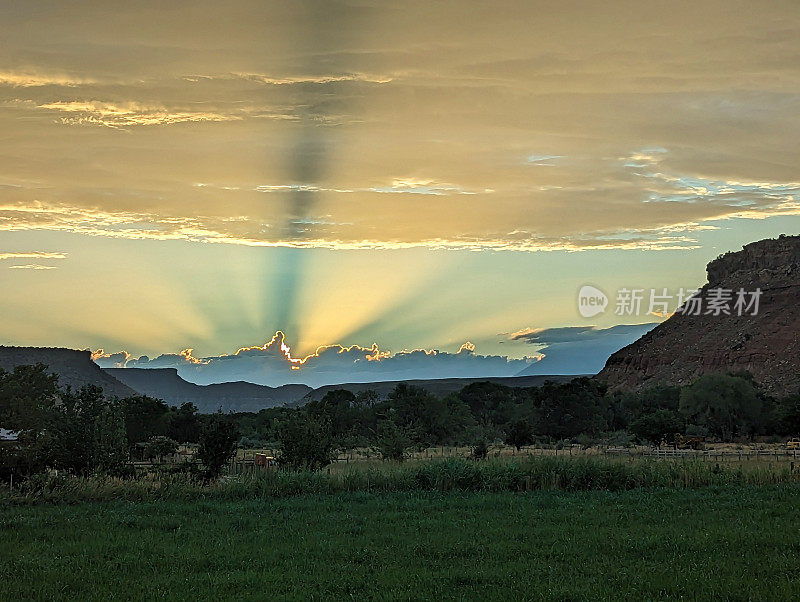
(166, 384)
(767, 344)
(74, 368)
(435, 386)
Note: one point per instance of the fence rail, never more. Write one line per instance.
(245, 461)
(776, 454)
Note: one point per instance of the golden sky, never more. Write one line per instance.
(502, 128)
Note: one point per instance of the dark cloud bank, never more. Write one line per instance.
(569, 350)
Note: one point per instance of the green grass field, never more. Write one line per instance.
(734, 543)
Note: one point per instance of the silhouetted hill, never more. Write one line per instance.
(437, 386)
(767, 344)
(74, 368)
(164, 383)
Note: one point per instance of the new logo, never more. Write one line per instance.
(591, 301)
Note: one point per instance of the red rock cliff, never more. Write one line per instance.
(766, 344)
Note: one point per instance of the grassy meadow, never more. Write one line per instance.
(739, 542)
(579, 528)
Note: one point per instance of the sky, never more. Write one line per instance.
(381, 178)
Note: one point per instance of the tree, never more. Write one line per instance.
(145, 417)
(218, 444)
(159, 446)
(366, 399)
(480, 450)
(110, 454)
(519, 434)
(657, 426)
(786, 416)
(569, 409)
(184, 424)
(337, 409)
(86, 433)
(629, 406)
(78, 430)
(306, 442)
(28, 396)
(726, 405)
(392, 441)
(427, 419)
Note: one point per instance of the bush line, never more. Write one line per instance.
(532, 474)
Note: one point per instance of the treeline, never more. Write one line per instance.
(722, 407)
(84, 432)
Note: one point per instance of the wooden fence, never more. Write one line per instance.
(722, 455)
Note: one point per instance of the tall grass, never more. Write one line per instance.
(529, 474)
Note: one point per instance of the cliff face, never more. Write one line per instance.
(766, 344)
(74, 368)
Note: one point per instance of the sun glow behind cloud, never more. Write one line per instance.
(273, 363)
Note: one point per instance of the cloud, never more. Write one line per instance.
(643, 136)
(547, 160)
(310, 79)
(415, 186)
(110, 360)
(249, 231)
(129, 114)
(273, 364)
(33, 255)
(567, 350)
(29, 80)
(577, 349)
(32, 266)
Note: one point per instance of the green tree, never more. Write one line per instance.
(427, 419)
(87, 433)
(490, 403)
(786, 416)
(392, 441)
(366, 399)
(145, 417)
(159, 446)
(337, 409)
(218, 443)
(79, 430)
(306, 442)
(563, 410)
(28, 395)
(111, 453)
(519, 434)
(480, 450)
(184, 424)
(725, 405)
(657, 426)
